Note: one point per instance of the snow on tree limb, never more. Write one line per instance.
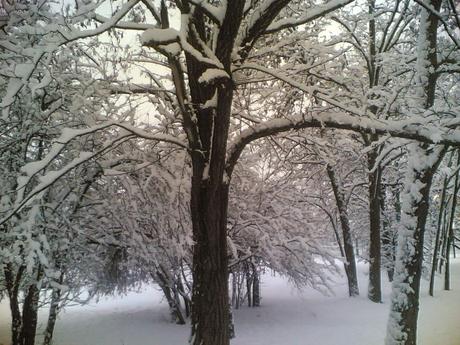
(32, 169)
(258, 22)
(441, 18)
(74, 34)
(123, 24)
(311, 14)
(216, 14)
(155, 37)
(407, 129)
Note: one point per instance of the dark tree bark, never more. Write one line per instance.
(249, 281)
(374, 176)
(30, 316)
(209, 191)
(53, 313)
(350, 264)
(255, 287)
(12, 282)
(210, 291)
(23, 323)
(374, 290)
(438, 237)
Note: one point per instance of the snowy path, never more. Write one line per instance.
(287, 317)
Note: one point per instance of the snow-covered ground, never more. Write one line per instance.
(287, 317)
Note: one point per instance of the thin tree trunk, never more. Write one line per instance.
(12, 282)
(231, 328)
(450, 235)
(350, 264)
(337, 238)
(255, 287)
(374, 290)
(52, 316)
(238, 290)
(438, 236)
(185, 298)
(453, 247)
(234, 288)
(447, 270)
(172, 297)
(444, 234)
(388, 239)
(249, 278)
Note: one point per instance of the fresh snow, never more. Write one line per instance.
(211, 74)
(286, 317)
(162, 36)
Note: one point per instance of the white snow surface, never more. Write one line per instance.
(286, 317)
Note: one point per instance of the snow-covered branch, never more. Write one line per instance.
(445, 24)
(123, 24)
(75, 34)
(311, 14)
(427, 133)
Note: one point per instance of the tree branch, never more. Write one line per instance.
(402, 129)
(314, 13)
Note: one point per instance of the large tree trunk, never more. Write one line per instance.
(350, 264)
(208, 129)
(30, 312)
(422, 164)
(209, 202)
(402, 325)
(210, 309)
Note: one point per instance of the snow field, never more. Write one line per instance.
(286, 317)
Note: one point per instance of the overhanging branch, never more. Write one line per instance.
(405, 129)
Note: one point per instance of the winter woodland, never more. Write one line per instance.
(196, 144)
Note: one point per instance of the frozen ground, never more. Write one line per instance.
(287, 317)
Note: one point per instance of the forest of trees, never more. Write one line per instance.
(196, 143)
